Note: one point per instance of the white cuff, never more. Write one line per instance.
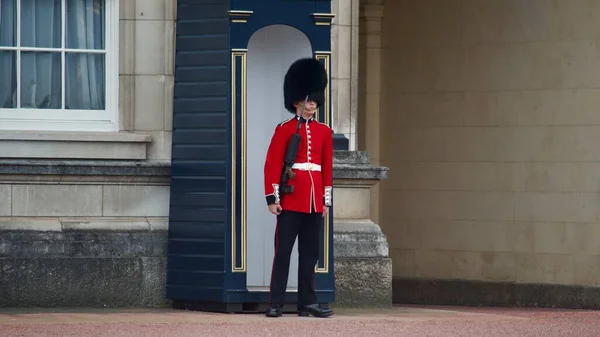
(273, 198)
(327, 200)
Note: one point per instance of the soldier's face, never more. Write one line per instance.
(309, 108)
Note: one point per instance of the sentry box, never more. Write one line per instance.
(231, 58)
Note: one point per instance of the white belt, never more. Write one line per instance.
(307, 167)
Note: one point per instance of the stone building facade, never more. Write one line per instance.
(484, 111)
(84, 204)
(488, 120)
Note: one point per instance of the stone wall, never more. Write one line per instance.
(83, 214)
(363, 269)
(344, 68)
(83, 233)
(489, 126)
(93, 191)
(74, 264)
(146, 73)
(94, 234)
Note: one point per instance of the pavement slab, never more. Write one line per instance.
(398, 321)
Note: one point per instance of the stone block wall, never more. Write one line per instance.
(86, 196)
(83, 266)
(344, 68)
(146, 72)
(87, 211)
(94, 234)
(490, 127)
(83, 233)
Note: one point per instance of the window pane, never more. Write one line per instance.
(85, 24)
(8, 79)
(8, 23)
(40, 80)
(40, 23)
(85, 87)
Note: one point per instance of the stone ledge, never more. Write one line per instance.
(71, 136)
(105, 180)
(83, 224)
(85, 167)
(354, 165)
(359, 239)
(351, 157)
(486, 293)
(349, 171)
(73, 145)
(343, 168)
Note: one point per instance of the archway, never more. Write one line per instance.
(271, 50)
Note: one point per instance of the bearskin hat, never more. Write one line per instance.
(305, 77)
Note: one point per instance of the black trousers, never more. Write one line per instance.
(306, 227)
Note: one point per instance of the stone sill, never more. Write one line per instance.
(64, 224)
(73, 145)
(354, 172)
(355, 165)
(84, 168)
(347, 165)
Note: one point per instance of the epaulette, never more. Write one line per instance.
(316, 120)
(281, 124)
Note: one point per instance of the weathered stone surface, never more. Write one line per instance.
(83, 244)
(70, 282)
(26, 224)
(56, 200)
(343, 171)
(85, 167)
(5, 196)
(363, 282)
(135, 201)
(346, 164)
(362, 264)
(83, 268)
(359, 240)
(355, 165)
(485, 293)
(154, 282)
(351, 157)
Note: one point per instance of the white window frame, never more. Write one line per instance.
(73, 120)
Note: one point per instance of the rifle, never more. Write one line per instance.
(290, 156)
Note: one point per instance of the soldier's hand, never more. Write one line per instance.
(325, 211)
(275, 209)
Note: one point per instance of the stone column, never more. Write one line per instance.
(344, 70)
(371, 15)
(363, 269)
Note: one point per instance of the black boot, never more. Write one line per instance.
(315, 310)
(274, 311)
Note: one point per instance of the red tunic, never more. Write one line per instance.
(312, 187)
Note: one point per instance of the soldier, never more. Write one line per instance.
(299, 211)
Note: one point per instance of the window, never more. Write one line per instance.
(58, 65)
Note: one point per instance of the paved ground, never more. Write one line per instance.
(400, 321)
